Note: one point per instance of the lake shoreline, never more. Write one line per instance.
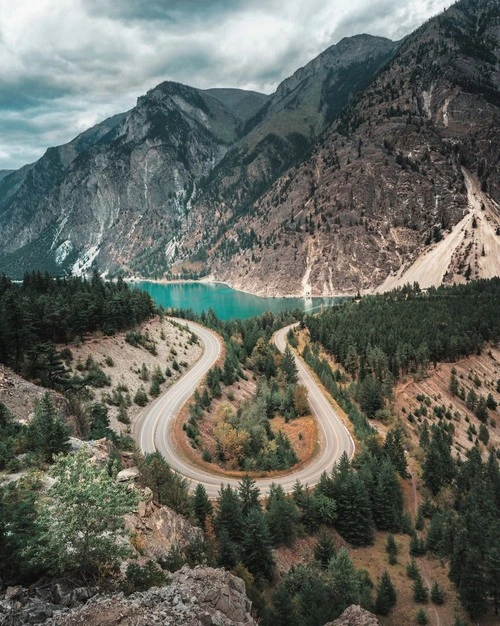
(214, 281)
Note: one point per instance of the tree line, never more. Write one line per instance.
(42, 311)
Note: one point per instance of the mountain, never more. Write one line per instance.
(290, 121)
(127, 193)
(403, 186)
(375, 164)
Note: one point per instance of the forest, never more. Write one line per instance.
(42, 311)
(244, 437)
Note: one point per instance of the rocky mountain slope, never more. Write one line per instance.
(122, 193)
(393, 176)
(373, 165)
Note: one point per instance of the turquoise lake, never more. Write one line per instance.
(226, 302)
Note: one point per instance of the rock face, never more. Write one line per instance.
(158, 530)
(391, 177)
(21, 396)
(199, 597)
(127, 193)
(352, 172)
(355, 616)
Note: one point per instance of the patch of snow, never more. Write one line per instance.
(63, 251)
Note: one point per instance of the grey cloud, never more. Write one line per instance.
(88, 59)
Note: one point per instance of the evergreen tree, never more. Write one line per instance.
(283, 610)
(424, 438)
(289, 367)
(229, 514)
(412, 570)
(493, 572)
(438, 468)
(473, 587)
(169, 488)
(281, 518)
(437, 595)
(370, 396)
(422, 617)
(47, 433)
(395, 450)
(420, 591)
(386, 595)
(388, 499)
(354, 519)
(417, 545)
(324, 549)
(345, 580)
(419, 520)
(249, 495)
(256, 545)
(99, 422)
(228, 552)
(392, 549)
(202, 507)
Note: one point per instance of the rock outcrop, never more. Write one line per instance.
(195, 597)
(20, 396)
(354, 615)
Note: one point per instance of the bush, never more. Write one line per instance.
(143, 578)
(141, 397)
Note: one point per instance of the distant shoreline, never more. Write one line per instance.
(212, 281)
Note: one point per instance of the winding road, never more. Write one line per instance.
(153, 429)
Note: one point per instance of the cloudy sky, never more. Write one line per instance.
(67, 64)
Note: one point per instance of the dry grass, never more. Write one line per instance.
(127, 361)
(435, 385)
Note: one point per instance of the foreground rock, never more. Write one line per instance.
(199, 597)
(354, 615)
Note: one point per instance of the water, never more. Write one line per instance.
(226, 302)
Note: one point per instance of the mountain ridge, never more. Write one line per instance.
(343, 177)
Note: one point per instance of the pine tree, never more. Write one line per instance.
(420, 591)
(169, 488)
(424, 439)
(388, 499)
(289, 367)
(437, 595)
(99, 422)
(47, 433)
(419, 520)
(354, 519)
(202, 507)
(438, 468)
(256, 545)
(412, 570)
(281, 518)
(417, 546)
(422, 617)
(392, 549)
(345, 580)
(324, 549)
(249, 495)
(473, 588)
(493, 572)
(228, 552)
(229, 514)
(283, 610)
(395, 450)
(386, 595)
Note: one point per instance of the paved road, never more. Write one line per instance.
(153, 431)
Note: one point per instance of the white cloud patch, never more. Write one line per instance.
(67, 64)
